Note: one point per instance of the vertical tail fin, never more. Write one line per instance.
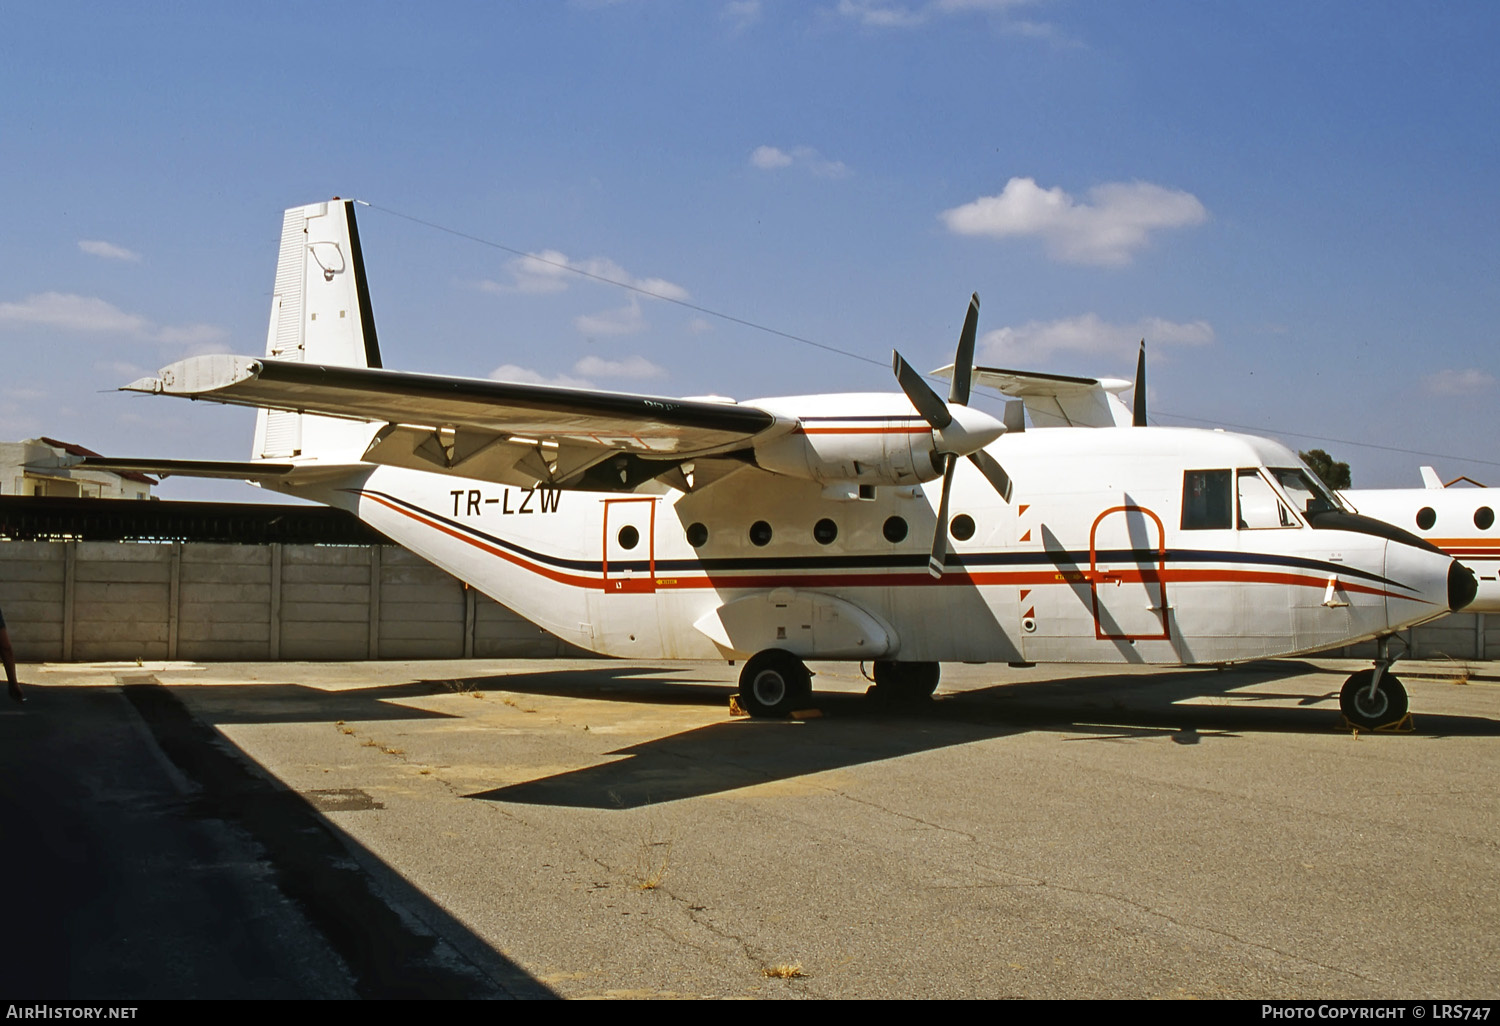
(320, 313)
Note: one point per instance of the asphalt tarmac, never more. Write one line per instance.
(589, 828)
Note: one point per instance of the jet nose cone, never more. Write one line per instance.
(1462, 586)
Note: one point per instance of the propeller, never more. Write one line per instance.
(1140, 388)
(957, 429)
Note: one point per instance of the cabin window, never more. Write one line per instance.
(1207, 503)
(629, 537)
(1484, 518)
(894, 529)
(1426, 517)
(1260, 507)
(760, 533)
(825, 531)
(697, 535)
(962, 527)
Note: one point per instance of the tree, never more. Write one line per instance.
(1334, 475)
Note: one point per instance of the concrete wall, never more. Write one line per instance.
(88, 601)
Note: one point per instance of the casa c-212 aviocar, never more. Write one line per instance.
(900, 529)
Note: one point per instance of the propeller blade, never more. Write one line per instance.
(963, 361)
(928, 403)
(940, 536)
(993, 472)
(1140, 388)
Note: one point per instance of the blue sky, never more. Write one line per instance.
(1295, 203)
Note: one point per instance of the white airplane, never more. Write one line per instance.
(1460, 521)
(871, 527)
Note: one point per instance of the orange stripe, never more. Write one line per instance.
(915, 578)
(865, 431)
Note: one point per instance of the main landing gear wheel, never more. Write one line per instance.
(1387, 705)
(906, 682)
(773, 683)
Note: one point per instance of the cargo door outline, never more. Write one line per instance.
(1155, 577)
(629, 571)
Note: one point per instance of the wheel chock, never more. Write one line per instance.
(735, 709)
(1405, 725)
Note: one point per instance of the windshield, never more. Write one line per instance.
(1308, 493)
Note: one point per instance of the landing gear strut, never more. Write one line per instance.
(1376, 697)
(905, 682)
(773, 683)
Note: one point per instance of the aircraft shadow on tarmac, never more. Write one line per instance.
(288, 702)
(853, 729)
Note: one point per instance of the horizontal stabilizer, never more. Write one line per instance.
(232, 470)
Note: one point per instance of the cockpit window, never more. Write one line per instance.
(1309, 494)
(1207, 501)
(1260, 506)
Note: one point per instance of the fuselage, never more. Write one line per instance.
(1142, 545)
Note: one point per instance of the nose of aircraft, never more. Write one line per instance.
(1427, 583)
(1462, 586)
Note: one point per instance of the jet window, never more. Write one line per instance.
(825, 531)
(1484, 518)
(962, 527)
(1260, 507)
(760, 533)
(629, 537)
(697, 535)
(1426, 517)
(1207, 504)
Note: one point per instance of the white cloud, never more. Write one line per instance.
(108, 250)
(71, 312)
(87, 315)
(552, 271)
(526, 376)
(585, 371)
(772, 158)
(635, 367)
(1116, 221)
(25, 395)
(626, 320)
(769, 158)
(879, 14)
(1035, 343)
(1458, 382)
(885, 14)
(741, 13)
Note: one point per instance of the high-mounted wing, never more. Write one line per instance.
(481, 428)
(1058, 400)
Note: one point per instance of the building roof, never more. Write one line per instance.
(73, 449)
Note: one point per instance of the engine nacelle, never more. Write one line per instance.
(881, 440)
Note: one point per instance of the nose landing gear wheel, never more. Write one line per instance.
(773, 683)
(1388, 704)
